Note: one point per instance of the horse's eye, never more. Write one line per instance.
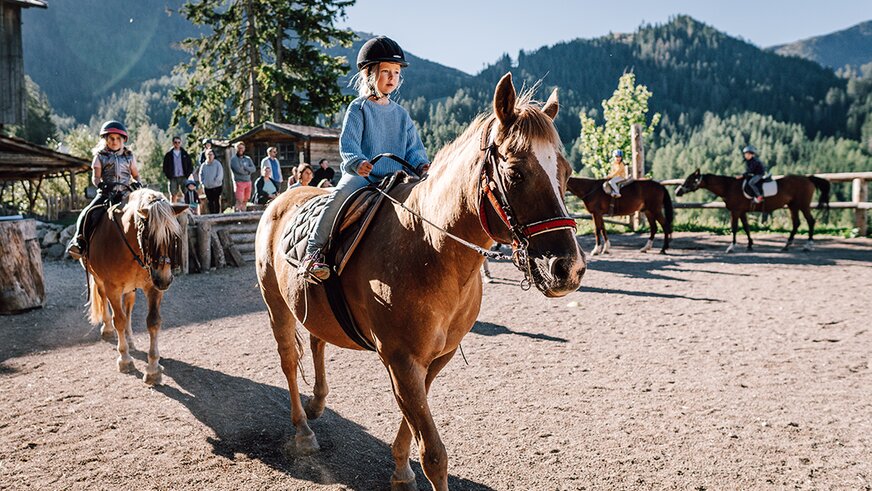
(514, 175)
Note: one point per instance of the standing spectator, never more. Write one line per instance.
(212, 177)
(272, 162)
(324, 172)
(242, 167)
(177, 166)
(207, 145)
(192, 197)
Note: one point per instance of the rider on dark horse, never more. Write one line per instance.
(754, 172)
(618, 175)
(115, 174)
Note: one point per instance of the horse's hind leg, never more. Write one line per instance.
(120, 320)
(154, 370)
(411, 396)
(98, 298)
(315, 406)
(652, 223)
(809, 219)
(794, 218)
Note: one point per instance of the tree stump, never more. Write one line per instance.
(22, 284)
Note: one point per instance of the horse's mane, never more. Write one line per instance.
(531, 125)
(161, 231)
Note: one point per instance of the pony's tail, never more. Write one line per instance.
(668, 210)
(824, 201)
(97, 305)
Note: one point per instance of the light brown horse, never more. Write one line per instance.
(135, 248)
(414, 291)
(647, 196)
(794, 192)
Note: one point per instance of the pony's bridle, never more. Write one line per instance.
(492, 190)
(146, 262)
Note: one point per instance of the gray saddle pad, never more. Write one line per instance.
(296, 233)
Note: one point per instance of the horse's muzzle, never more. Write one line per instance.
(556, 276)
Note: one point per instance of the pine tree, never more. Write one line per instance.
(260, 61)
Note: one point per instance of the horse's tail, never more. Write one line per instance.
(824, 187)
(668, 210)
(97, 305)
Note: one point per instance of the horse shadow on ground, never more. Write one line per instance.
(633, 293)
(490, 329)
(252, 419)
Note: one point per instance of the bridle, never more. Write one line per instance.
(492, 190)
(146, 261)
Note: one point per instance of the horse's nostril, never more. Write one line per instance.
(564, 268)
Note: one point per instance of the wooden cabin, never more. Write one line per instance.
(295, 143)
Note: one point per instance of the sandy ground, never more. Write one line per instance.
(695, 370)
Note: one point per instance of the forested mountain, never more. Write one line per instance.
(850, 47)
(81, 51)
(690, 67)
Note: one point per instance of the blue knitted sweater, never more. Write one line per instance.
(370, 129)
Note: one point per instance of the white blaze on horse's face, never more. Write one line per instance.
(547, 156)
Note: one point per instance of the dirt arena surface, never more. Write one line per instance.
(695, 370)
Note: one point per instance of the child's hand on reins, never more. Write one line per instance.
(364, 168)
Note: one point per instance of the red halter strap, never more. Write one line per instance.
(520, 233)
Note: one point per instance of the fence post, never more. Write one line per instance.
(204, 245)
(859, 195)
(637, 168)
(183, 238)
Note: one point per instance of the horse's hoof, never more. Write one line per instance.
(313, 411)
(663, 251)
(643, 250)
(306, 444)
(487, 279)
(153, 378)
(125, 366)
(406, 485)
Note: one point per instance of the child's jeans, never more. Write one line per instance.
(346, 187)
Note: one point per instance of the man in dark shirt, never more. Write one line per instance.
(324, 172)
(754, 172)
(177, 167)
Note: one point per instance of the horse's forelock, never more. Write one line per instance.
(531, 126)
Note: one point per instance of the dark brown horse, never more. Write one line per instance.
(414, 291)
(794, 192)
(135, 248)
(646, 196)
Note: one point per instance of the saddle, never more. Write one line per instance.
(348, 230)
(768, 186)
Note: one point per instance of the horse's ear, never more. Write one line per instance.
(179, 209)
(698, 171)
(551, 106)
(504, 101)
(143, 213)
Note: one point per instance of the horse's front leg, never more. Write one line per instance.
(411, 382)
(316, 404)
(744, 218)
(120, 320)
(154, 370)
(403, 477)
(129, 299)
(734, 225)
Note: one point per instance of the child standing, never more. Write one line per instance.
(114, 174)
(373, 124)
(192, 197)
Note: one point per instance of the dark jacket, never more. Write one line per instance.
(259, 196)
(169, 168)
(754, 167)
(321, 174)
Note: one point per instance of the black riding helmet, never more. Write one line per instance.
(113, 127)
(380, 49)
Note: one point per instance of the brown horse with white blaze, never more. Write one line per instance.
(794, 192)
(649, 197)
(134, 248)
(414, 291)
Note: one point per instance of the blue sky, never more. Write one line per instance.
(468, 34)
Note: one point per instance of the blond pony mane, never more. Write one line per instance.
(159, 234)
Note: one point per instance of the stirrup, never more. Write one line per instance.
(313, 269)
(75, 249)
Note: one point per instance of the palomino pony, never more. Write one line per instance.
(134, 248)
(647, 196)
(414, 291)
(795, 192)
